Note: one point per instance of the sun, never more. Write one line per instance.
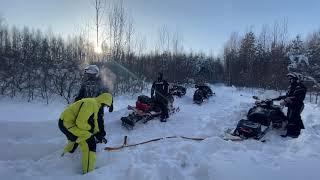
(98, 49)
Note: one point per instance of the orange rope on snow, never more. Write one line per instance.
(124, 145)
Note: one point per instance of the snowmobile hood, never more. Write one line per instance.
(105, 98)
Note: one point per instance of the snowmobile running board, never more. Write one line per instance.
(125, 140)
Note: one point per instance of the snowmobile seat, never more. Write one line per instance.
(145, 99)
(143, 106)
(259, 115)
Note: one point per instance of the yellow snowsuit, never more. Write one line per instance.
(79, 122)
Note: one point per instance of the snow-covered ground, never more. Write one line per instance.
(31, 144)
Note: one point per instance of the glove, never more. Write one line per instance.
(288, 100)
(100, 139)
(111, 108)
(104, 140)
(279, 98)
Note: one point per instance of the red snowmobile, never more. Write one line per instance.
(144, 111)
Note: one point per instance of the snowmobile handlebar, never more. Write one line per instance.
(264, 100)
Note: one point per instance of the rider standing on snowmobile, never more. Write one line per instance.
(294, 101)
(82, 125)
(160, 95)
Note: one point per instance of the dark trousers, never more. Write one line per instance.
(162, 102)
(295, 123)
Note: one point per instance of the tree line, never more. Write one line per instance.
(35, 64)
(42, 65)
(263, 60)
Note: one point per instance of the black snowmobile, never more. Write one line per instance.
(177, 90)
(202, 93)
(260, 119)
(144, 111)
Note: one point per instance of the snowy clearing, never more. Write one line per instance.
(32, 143)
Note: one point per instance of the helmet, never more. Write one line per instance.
(293, 75)
(92, 70)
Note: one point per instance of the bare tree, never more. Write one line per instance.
(280, 32)
(99, 6)
(116, 26)
(177, 41)
(163, 43)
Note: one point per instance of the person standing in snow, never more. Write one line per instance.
(82, 126)
(160, 95)
(92, 85)
(294, 101)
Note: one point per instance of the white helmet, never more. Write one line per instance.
(295, 76)
(92, 70)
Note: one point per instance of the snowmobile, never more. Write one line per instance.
(202, 93)
(263, 116)
(177, 90)
(144, 111)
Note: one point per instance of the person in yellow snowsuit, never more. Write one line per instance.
(82, 124)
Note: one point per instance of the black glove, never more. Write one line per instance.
(279, 98)
(111, 108)
(104, 140)
(100, 139)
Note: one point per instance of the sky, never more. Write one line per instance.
(204, 25)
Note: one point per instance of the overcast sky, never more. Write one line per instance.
(204, 24)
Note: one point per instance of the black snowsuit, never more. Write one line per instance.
(93, 87)
(294, 101)
(160, 94)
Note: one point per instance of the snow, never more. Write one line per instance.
(298, 62)
(32, 143)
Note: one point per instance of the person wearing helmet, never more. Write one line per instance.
(294, 101)
(80, 123)
(160, 95)
(92, 85)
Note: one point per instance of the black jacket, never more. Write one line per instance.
(294, 101)
(295, 95)
(160, 89)
(91, 87)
